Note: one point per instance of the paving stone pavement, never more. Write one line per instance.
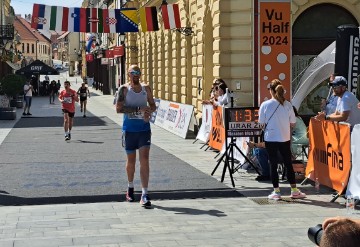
(237, 221)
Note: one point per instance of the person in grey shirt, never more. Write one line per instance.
(346, 108)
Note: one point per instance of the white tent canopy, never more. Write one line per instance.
(318, 71)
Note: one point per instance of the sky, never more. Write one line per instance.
(25, 6)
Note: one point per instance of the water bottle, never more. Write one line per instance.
(317, 186)
(350, 204)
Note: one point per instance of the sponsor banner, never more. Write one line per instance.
(153, 115)
(353, 187)
(204, 131)
(347, 54)
(274, 45)
(174, 117)
(241, 143)
(217, 133)
(329, 153)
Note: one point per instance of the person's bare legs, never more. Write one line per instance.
(144, 154)
(71, 121)
(84, 107)
(66, 122)
(130, 166)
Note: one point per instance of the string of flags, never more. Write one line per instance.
(95, 20)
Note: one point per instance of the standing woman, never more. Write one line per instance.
(278, 116)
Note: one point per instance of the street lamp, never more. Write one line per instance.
(36, 49)
(122, 68)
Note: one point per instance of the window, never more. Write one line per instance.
(32, 48)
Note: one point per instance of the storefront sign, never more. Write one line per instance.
(274, 45)
(118, 51)
(89, 57)
(109, 53)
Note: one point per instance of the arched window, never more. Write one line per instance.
(316, 27)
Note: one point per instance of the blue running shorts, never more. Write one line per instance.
(136, 140)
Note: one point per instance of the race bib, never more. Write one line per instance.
(83, 95)
(68, 100)
(136, 115)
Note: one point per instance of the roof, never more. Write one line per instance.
(63, 35)
(26, 32)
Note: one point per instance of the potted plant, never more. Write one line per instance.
(11, 86)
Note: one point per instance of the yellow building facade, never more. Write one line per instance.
(182, 68)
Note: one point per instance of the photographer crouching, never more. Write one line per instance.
(336, 232)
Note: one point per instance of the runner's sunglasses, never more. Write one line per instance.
(135, 72)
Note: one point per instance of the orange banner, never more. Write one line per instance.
(274, 45)
(329, 153)
(217, 133)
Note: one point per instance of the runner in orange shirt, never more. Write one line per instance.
(67, 97)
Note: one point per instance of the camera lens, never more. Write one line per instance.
(315, 233)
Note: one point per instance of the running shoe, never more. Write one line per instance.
(145, 200)
(29, 114)
(84, 115)
(67, 137)
(274, 196)
(297, 194)
(130, 195)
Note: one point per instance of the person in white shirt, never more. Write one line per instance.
(28, 90)
(278, 116)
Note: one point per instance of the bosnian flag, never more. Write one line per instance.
(171, 16)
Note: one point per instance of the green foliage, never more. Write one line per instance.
(12, 85)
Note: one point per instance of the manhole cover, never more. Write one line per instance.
(266, 201)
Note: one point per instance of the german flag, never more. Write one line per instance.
(148, 19)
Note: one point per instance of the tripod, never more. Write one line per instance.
(229, 155)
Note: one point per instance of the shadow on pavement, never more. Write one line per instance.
(192, 211)
(40, 122)
(8, 200)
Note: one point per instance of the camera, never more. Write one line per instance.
(315, 233)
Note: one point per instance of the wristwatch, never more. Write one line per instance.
(327, 117)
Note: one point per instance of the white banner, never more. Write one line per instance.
(353, 187)
(240, 142)
(204, 131)
(174, 117)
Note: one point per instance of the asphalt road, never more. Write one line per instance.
(39, 167)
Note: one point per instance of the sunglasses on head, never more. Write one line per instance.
(135, 72)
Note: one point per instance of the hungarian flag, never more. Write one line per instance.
(171, 16)
(148, 19)
(85, 20)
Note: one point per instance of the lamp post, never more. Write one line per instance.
(36, 49)
(122, 65)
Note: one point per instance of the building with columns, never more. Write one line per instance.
(220, 40)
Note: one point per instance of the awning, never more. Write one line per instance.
(14, 66)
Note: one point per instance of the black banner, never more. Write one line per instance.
(347, 54)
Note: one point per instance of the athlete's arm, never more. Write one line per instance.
(120, 103)
(150, 99)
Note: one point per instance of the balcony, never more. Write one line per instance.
(6, 33)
